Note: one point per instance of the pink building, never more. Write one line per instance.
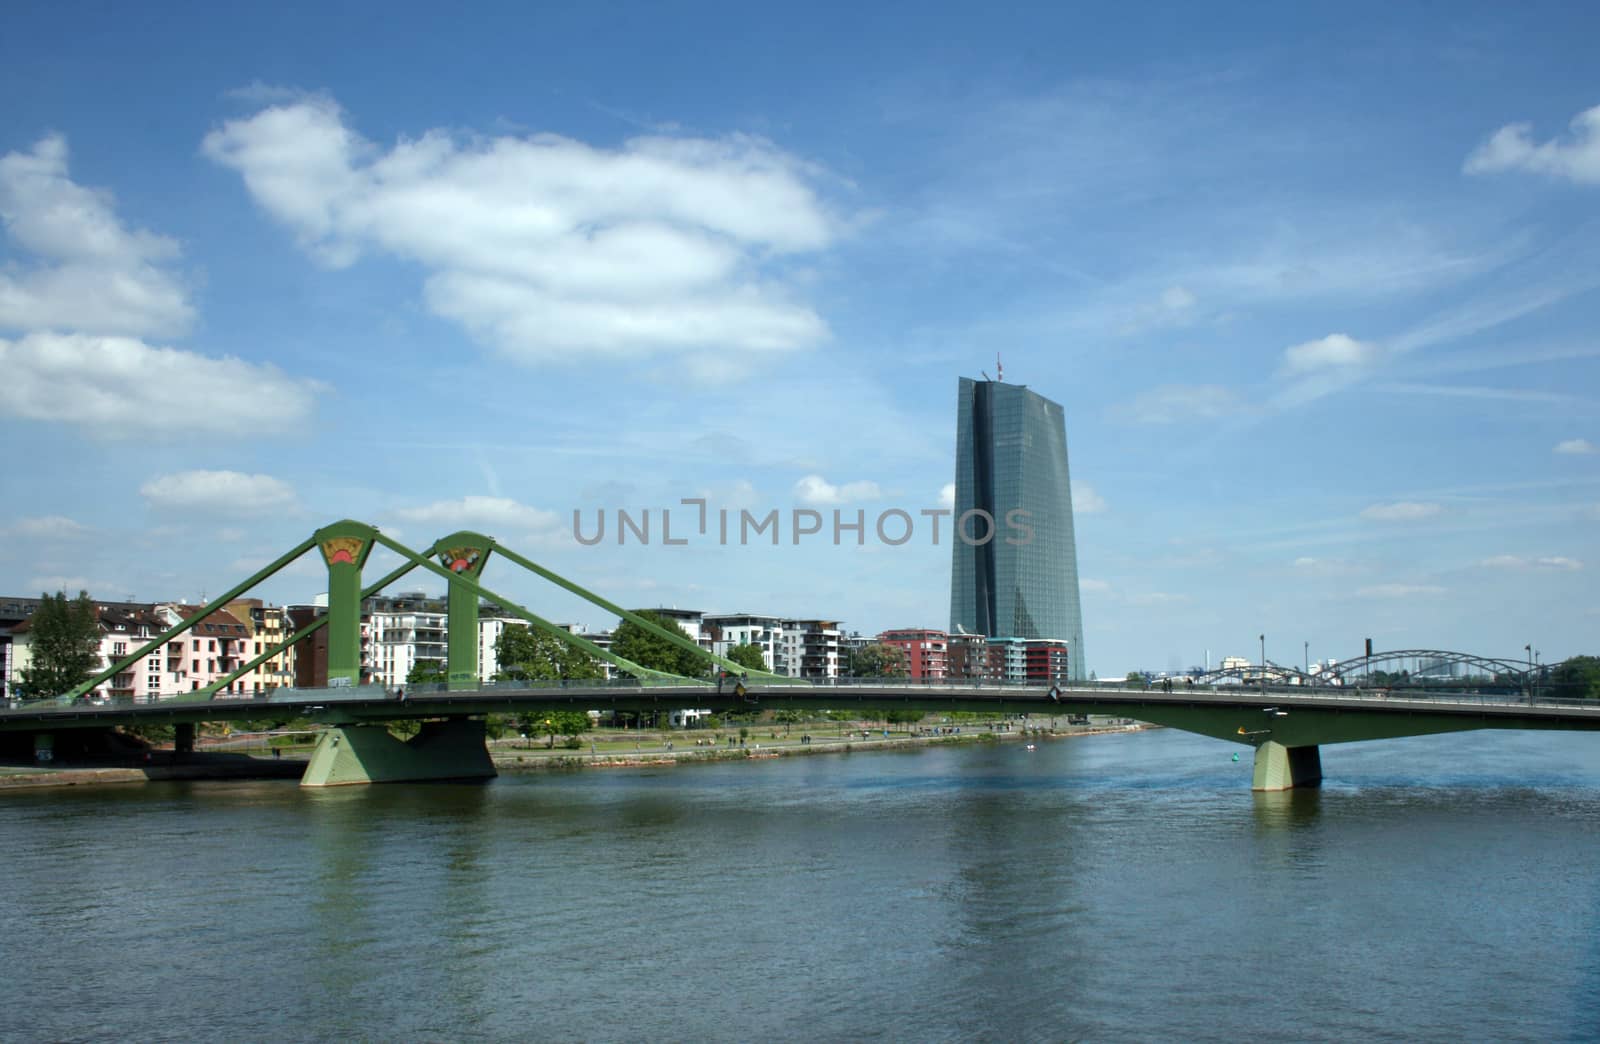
(212, 649)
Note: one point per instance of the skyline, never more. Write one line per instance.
(1316, 290)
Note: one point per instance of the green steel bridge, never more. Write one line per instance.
(1285, 725)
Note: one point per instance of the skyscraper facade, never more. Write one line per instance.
(1011, 463)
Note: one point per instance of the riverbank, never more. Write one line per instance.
(649, 750)
(659, 753)
(162, 767)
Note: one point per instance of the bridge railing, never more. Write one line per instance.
(845, 687)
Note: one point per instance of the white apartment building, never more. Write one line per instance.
(811, 649)
(730, 629)
(397, 633)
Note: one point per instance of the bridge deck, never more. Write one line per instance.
(1230, 712)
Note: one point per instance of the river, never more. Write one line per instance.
(1118, 887)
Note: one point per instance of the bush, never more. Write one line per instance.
(572, 743)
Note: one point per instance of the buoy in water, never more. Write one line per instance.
(1236, 757)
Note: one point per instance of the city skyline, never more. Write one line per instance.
(1317, 291)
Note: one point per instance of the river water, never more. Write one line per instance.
(1121, 887)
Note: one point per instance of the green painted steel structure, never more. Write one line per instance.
(464, 554)
(452, 748)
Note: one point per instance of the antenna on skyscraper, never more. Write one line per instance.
(999, 368)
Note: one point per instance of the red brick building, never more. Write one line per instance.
(926, 651)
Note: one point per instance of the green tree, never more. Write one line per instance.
(632, 642)
(554, 723)
(528, 655)
(1576, 679)
(427, 672)
(748, 655)
(878, 660)
(64, 645)
(1135, 680)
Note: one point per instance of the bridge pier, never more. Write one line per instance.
(449, 749)
(44, 747)
(183, 737)
(1284, 768)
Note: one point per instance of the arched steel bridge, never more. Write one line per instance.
(1421, 663)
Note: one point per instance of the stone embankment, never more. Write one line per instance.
(511, 760)
(161, 767)
(507, 758)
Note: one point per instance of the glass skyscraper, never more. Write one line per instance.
(1011, 462)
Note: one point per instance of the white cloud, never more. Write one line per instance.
(548, 248)
(1577, 446)
(1512, 148)
(947, 495)
(93, 275)
(498, 517)
(117, 386)
(1560, 562)
(1175, 403)
(218, 493)
(1177, 299)
(816, 490)
(1325, 566)
(1094, 586)
(1333, 352)
(1403, 511)
(1085, 501)
(48, 527)
(1399, 590)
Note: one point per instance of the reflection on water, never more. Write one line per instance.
(1117, 887)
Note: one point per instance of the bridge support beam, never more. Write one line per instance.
(1284, 768)
(449, 749)
(464, 554)
(345, 547)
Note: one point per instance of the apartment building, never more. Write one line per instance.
(730, 629)
(927, 652)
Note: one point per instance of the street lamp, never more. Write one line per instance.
(1263, 662)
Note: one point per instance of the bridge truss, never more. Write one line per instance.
(460, 559)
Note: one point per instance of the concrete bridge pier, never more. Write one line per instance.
(1284, 768)
(44, 747)
(454, 748)
(183, 738)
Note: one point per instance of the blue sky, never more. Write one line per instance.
(1317, 289)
